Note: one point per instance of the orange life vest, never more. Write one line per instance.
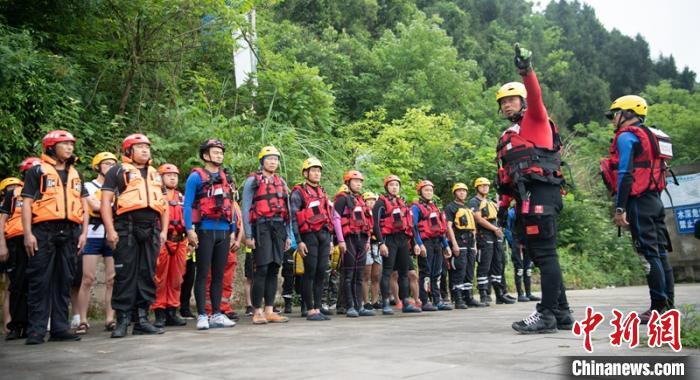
(316, 212)
(357, 217)
(397, 217)
(140, 193)
(177, 221)
(58, 201)
(431, 223)
(13, 226)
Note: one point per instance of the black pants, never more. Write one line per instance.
(49, 275)
(538, 229)
(645, 215)
(486, 251)
(17, 273)
(134, 263)
(353, 270)
(399, 259)
(212, 255)
(268, 256)
(462, 266)
(430, 270)
(318, 254)
(522, 268)
(187, 284)
(290, 281)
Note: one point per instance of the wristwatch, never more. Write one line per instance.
(619, 210)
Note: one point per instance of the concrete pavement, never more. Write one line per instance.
(455, 344)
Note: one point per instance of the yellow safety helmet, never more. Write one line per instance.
(99, 157)
(310, 163)
(511, 89)
(633, 103)
(481, 181)
(10, 181)
(268, 151)
(369, 195)
(343, 189)
(459, 186)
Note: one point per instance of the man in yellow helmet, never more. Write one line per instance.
(265, 221)
(312, 225)
(489, 241)
(96, 247)
(461, 232)
(13, 259)
(635, 173)
(528, 154)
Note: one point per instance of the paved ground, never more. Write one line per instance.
(456, 344)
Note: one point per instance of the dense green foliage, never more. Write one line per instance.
(400, 86)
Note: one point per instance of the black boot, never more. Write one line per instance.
(144, 326)
(488, 293)
(565, 319)
(527, 281)
(171, 318)
(122, 325)
(457, 297)
(160, 318)
(484, 297)
(542, 321)
(304, 311)
(470, 301)
(287, 305)
(500, 296)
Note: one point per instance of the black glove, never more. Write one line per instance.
(502, 216)
(522, 57)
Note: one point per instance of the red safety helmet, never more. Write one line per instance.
(168, 168)
(131, 140)
(423, 183)
(28, 163)
(54, 137)
(391, 177)
(352, 174)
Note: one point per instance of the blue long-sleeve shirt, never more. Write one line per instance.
(627, 144)
(510, 224)
(193, 186)
(416, 231)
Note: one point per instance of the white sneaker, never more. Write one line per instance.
(75, 321)
(202, 322)
(221, 320)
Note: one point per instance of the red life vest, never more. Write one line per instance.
(270, 198)
(177, 221)
(397, 217)
(214, 201)
(519, 160)
(648, 167)
(316, 212)
(431, 223)
(357, 217)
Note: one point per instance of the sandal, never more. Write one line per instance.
(110, 325)
(82, 328)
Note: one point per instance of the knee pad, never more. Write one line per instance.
(519, 272)
(645, 264)
(528, 272)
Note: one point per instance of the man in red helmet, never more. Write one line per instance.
(135, 216)
(12, 254)
(55, 228)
